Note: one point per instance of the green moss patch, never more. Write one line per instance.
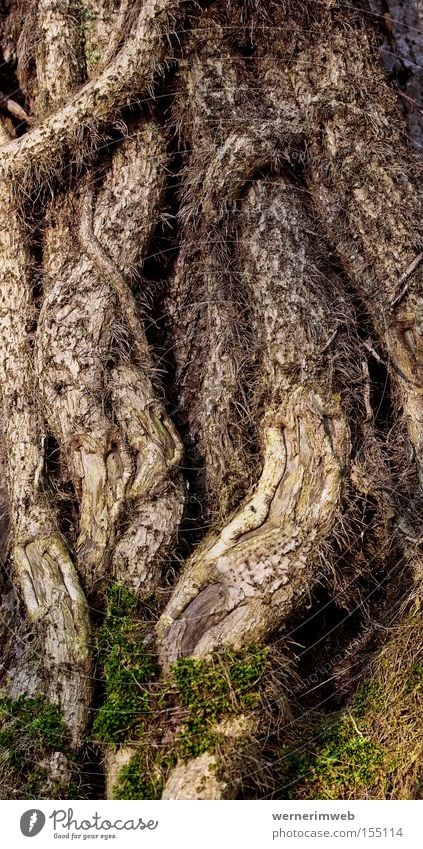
(340, 763)
(140, 707)
(137, 781)
(128, 667)
(225, 685)
(373, 748)
(31, 729)
(204, 692)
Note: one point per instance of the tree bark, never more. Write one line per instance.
(210, 359)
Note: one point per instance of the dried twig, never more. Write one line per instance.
(405, 279)
(413, 102)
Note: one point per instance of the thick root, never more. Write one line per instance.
(43, 569)
(40, 153)
(367, 198)
(119, 444)
(56, 604)
(242, 583)
(213, 345)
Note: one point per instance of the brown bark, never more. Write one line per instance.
(295, 242)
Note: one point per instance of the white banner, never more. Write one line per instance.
(195, 824)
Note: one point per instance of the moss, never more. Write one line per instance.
(347, 756)
(88, 15)
(37, 718)
(414, 680)
(340, 762)
(373, 748)
(121, 602)
(92, 58)
(369, 698)
(135, 781)
(31, 729)
(128, 667)
(138, 702)
(92, 54)
(225, 685)
(207, 691)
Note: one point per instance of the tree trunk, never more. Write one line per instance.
(211, 349)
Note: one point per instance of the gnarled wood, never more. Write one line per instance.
(43, 568)
(251, 160)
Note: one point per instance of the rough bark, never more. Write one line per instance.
(44, 571)
(238, 176)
